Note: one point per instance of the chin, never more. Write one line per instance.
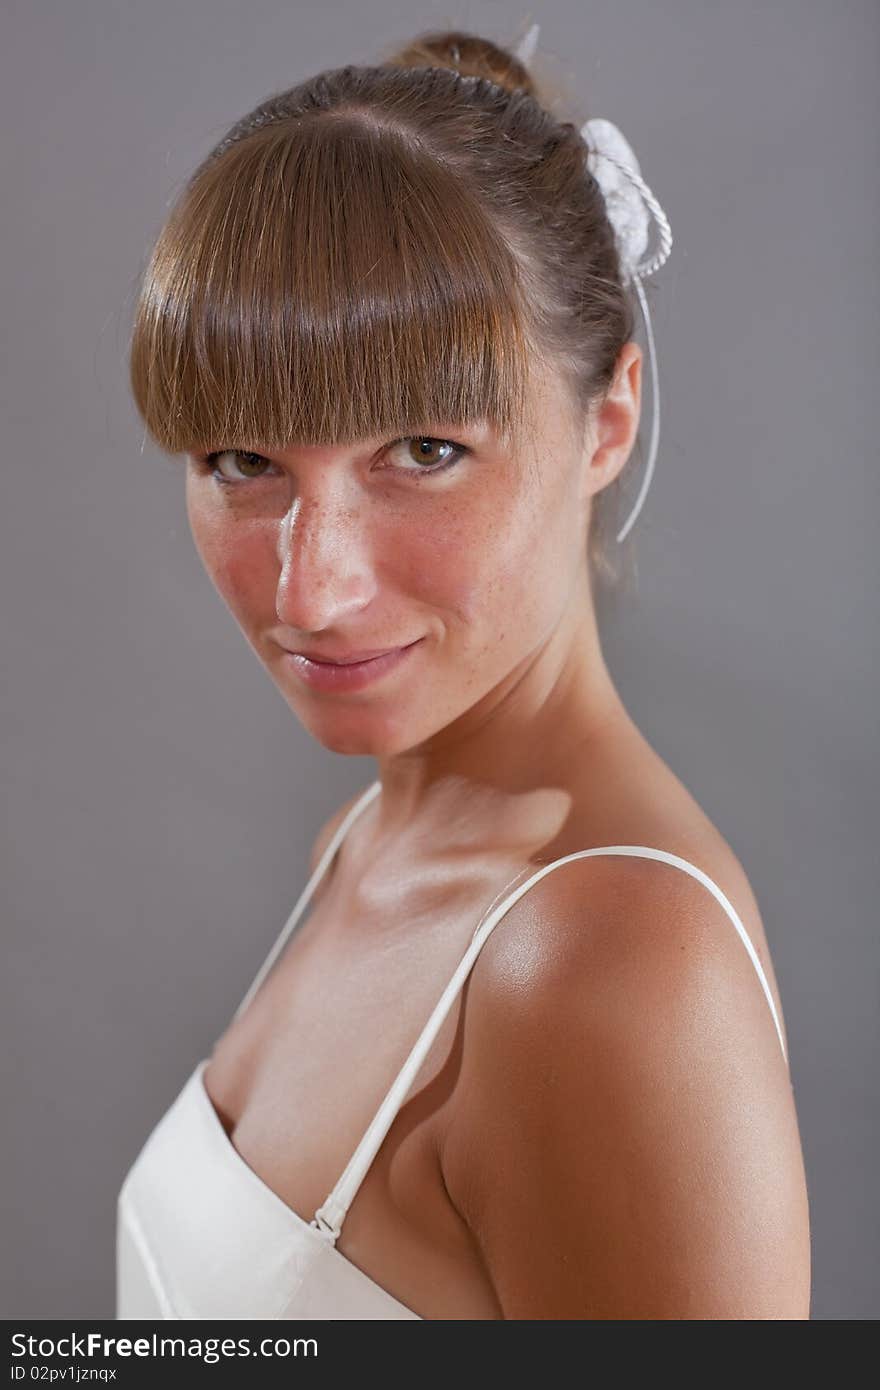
(356, 733)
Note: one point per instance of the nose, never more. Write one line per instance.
(325, 575)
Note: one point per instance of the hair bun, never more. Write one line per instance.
(468, 54)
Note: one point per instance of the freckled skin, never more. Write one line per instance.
(536, 1173)
(486, 561)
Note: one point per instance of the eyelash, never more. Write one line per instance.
(208, 461)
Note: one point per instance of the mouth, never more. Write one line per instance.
(350, 674)
(349, 658)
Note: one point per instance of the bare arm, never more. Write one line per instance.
(631, 1147)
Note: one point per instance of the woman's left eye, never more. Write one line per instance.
(422, 447)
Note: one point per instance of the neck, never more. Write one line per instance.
(533, 731)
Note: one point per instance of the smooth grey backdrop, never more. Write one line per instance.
(160, 799)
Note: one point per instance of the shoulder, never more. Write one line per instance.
(601, 934)
(626, 1144)
(329, 828)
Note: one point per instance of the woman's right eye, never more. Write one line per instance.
(211, 464)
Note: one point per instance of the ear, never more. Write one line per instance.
(615, 423)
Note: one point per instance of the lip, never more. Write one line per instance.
(348, 675)
(349, 659)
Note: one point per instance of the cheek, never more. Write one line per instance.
(245, 574)
(437, 568)
(489, 566)
(239, 561)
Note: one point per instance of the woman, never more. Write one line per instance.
(387, 324)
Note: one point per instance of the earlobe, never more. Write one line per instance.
(615, 423)
(601, 463)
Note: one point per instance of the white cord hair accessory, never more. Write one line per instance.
(630, 205)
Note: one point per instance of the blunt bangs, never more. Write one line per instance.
(323, 282)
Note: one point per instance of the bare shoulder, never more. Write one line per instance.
(329, 828)
(626, 1143)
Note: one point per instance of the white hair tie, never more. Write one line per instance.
(630, 205)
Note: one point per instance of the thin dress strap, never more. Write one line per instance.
(330, 1215)
(305, 896)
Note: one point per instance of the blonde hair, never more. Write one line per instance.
(378, 248)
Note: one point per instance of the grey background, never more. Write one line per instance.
(159, 797)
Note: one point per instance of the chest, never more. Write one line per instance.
(298, 1077)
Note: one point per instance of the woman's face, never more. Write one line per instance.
(337, 550)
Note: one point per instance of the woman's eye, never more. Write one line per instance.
(420, 452)
(414, 454)
(211, 462)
